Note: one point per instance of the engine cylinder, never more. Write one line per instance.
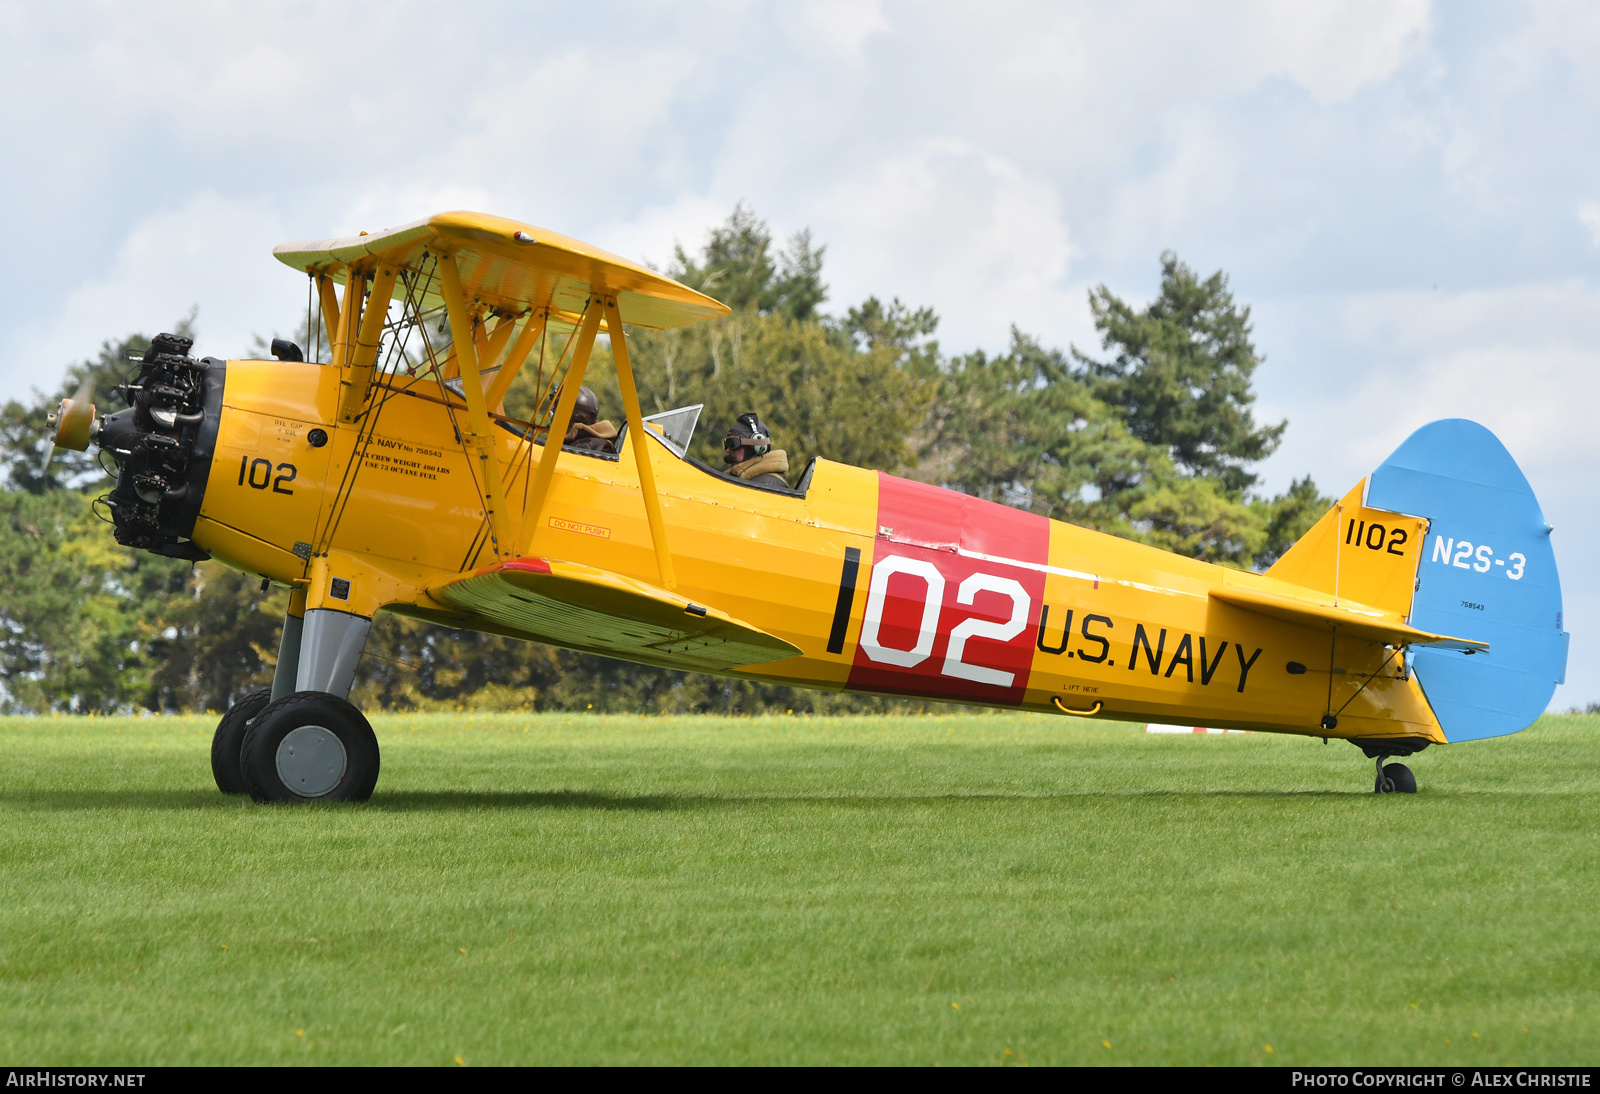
(162, 445)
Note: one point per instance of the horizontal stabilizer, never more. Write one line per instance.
(595, 611)
(1357, 620)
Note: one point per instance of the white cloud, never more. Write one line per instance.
(212, 252)
(948, 222)
(390, 203)
(1333, 50)
(651, 235)
(1589, 217)
(1356, 374)
(844, 25)
(581, 126)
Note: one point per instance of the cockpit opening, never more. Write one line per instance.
(673, 430)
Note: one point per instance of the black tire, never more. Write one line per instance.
(312, 766)
(228, 741)
(1401, 780)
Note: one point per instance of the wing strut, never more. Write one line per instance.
(329, 299)
(641, 447)
(560, 423)
(496, 395)
(487, 360)
(357, 379)
(481, 440)
(540, 489)
(355, 291)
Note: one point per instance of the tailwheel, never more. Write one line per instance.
(1399, 778)
(310, 746)
(228, 741)
(1392, 778)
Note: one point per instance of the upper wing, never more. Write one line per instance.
(595, 611)
(511, 267)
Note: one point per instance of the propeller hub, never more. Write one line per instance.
(74, 422)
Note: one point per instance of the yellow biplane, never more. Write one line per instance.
(1423, 608)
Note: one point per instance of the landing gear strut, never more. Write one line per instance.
(1392, 778)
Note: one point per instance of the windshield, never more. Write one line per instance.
(676, 427)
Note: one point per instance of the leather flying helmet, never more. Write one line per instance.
(747, 439)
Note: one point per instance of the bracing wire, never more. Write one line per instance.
(1364, 683)
(366, 429)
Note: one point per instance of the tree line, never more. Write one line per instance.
(1152, 437)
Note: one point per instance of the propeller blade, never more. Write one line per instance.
(49, 450)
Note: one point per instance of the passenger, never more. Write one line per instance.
(748, 452)
(585, 432)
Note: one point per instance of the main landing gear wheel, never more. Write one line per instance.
(310, 746)
(228, 742)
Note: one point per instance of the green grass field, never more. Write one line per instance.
(956, 890)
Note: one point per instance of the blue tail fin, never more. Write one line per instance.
(1487, 572)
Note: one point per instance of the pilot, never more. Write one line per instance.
(748, 452)
(585, 432)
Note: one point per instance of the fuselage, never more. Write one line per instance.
(884, 585)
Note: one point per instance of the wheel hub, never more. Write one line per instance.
(311, 761)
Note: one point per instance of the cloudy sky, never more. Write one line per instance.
(1406, 194)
